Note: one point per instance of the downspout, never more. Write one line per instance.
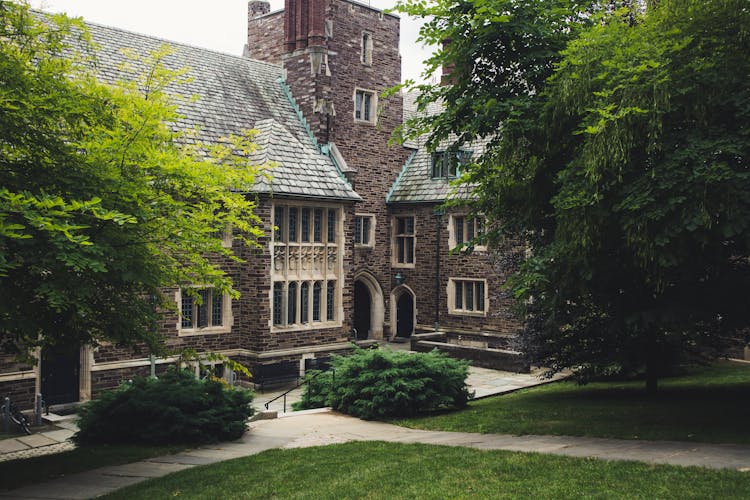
(438, 213)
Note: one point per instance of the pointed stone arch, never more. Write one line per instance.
(376, 305)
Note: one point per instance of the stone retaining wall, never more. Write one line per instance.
(486, 357)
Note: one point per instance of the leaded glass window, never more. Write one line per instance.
(316, 301)
(304, 302)
(331, 301)
(317, 225)
(204, 311)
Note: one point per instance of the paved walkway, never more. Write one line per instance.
(482, 381)
(54, 439)
(316, 427)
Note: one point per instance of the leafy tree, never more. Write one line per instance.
(624, 165)
(101, 203)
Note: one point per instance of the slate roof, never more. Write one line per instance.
(415, 184)
(234, 94)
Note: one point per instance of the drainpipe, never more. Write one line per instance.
(438, 213)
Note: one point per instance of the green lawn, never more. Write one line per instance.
(394, 470)
(711, 404)
(17, 473)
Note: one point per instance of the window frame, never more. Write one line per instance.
(454, 241)
(366, 48)
(227, 320)
(293, 266)
(373, 114)
(476, 299)
(396, 237)
(450, 163)
(359, 231)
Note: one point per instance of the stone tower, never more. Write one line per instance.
(339, 56)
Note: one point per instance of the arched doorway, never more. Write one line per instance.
(362, 303)
(403, 314)
(369, 306)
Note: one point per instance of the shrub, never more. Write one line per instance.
(378, 384)
(317, 392)
(176, 408)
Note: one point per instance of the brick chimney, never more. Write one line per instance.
(304, 24)
(446, 78)
(257, 8)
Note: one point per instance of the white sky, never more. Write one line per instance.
(218, 25)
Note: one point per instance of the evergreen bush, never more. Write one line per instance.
(174, 409)
(379, 384)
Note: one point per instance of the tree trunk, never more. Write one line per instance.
(651, 382)
(652, 375)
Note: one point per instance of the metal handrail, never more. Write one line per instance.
(303, 381)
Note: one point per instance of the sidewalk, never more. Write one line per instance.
(316, 427)
(54, 439)
(482, 381)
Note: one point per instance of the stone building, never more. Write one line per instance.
(356, 242)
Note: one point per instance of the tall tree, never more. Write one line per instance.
(627, 173)
(101, 203)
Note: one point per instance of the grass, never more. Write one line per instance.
(22, 472)
(711, 405)
(395, 470)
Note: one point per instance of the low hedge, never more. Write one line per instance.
(177, 408)
(381, 383)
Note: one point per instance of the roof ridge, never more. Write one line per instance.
(400, 175)
(158, 38)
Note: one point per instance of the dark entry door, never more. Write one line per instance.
(362, 304)
(405, 315)
(60, 375)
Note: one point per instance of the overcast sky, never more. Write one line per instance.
(218, 25)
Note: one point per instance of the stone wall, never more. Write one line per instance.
(265, 40)
(486, 357)
(495, 268)
(22, 392)
(365, 145)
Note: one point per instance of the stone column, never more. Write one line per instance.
(87, 362)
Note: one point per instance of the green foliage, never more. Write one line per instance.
(190, 356)
(174, 409)
(317, 390)
(624, 166)
(380, 383)
(102, 204)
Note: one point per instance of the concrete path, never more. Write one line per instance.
(482, 381)
(54, 439)
(316, 427)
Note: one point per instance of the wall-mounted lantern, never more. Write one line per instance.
(399, 279)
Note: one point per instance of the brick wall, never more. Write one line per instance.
(365, 146)
(21, 392)
(265, 40)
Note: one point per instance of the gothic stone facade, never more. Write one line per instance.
(355, 237)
